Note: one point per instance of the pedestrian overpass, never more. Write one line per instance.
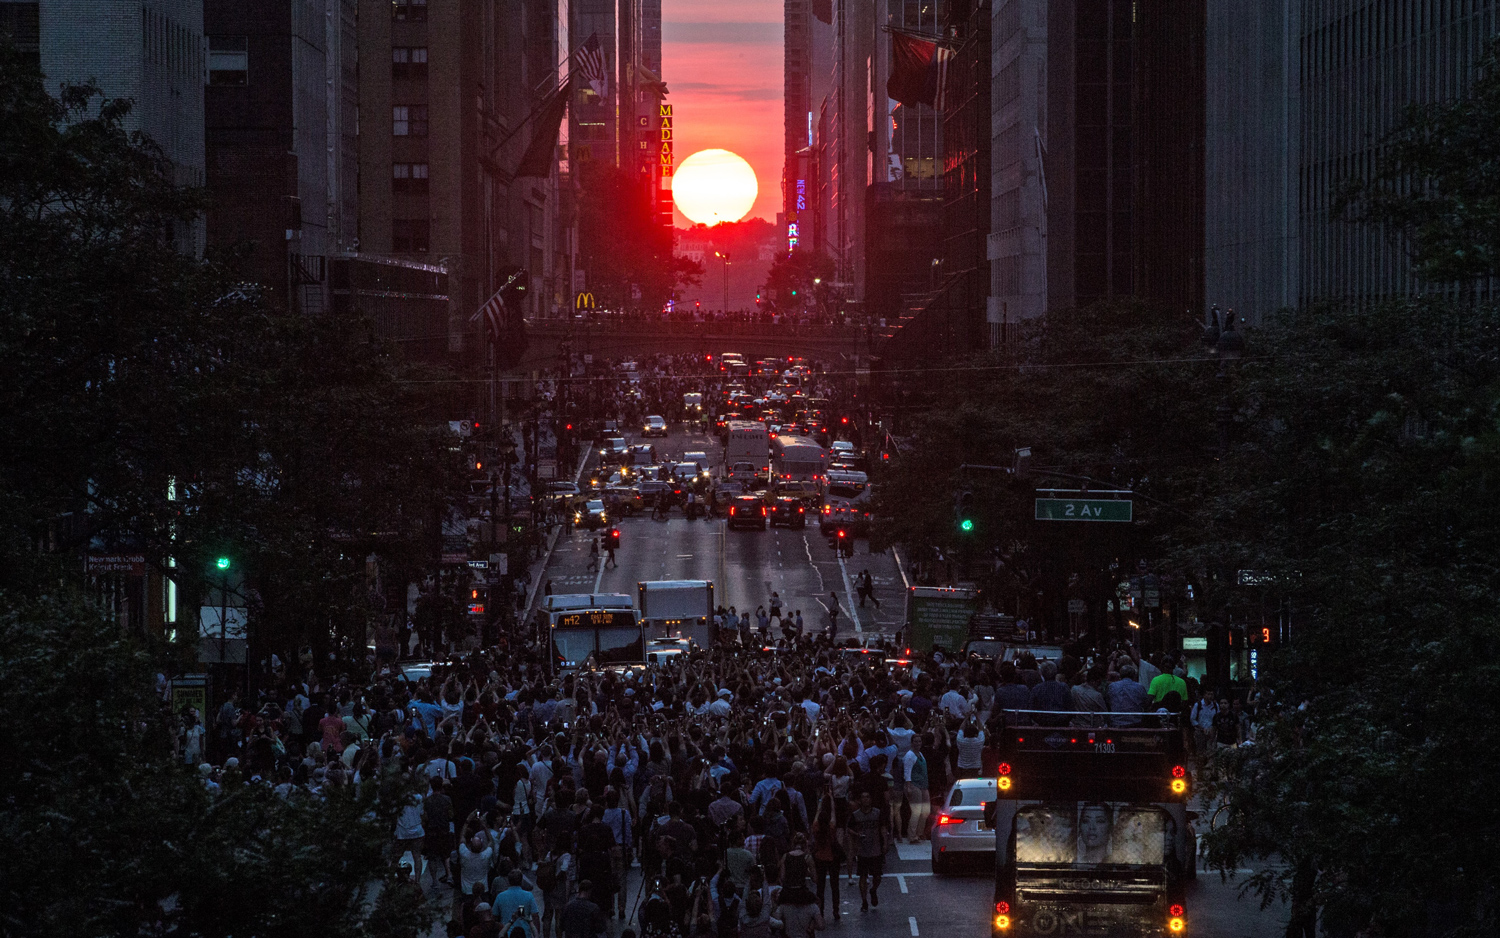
(625, 338)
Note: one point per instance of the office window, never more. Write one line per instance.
(228, 60)
(409, 235)
(409, 62)
(409, 121)
(413, 11)
(409, 177)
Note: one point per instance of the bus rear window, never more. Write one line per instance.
(1092, 834)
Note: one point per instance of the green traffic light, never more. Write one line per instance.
(966, 525)
(222, 563)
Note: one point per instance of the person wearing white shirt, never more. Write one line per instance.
(721, 707)
(955, 702)
(811, 707)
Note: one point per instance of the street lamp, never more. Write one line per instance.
(724, 256)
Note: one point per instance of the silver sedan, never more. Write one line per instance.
(959, 830)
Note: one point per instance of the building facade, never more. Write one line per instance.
(151, 51)
(1097, 154)
(1299, 95)
(280, 118)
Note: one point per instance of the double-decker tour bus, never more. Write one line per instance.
(593, 630)
(1091, 828)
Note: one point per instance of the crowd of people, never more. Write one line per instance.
(744, 781)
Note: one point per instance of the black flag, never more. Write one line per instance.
(540, 155)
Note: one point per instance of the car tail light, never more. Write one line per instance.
(762, 512)
(945, 819)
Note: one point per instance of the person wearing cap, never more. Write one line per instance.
(482, 922)
(722, 707)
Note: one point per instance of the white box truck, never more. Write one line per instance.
(678, 609)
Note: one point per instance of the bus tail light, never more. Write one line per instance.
(1176, 924)
(1175, 911)
(1002, 908)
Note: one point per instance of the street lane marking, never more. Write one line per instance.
(849, 595)
(912, 920)
(900, 568)
(901, 881)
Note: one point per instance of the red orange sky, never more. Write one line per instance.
(722, 61)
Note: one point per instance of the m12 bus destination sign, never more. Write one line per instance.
(1085, 509)
(595, 619)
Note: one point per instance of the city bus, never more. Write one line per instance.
(797, 459)
(845, 502)
(592, 630)
(1091, 828)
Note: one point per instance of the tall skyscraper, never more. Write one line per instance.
(280, 114)
(1300, 94)
(151, 51)
(1097, 154)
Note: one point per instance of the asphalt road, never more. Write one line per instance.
(745, 565)
(800, 565)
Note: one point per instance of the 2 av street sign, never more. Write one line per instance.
(1085, 509)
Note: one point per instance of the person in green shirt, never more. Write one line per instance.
(1167, 682)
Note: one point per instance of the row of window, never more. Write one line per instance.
(229, 61)
(409, 120)
(411, 11)
(409, 177)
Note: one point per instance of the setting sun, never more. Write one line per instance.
(713, 186)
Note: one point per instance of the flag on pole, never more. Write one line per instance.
(541, 153)
(919, 71)
(493, 314)
(591, 63)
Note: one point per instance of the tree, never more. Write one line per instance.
(626, 252)
(792, 277)
(155, 404)
(1118, 395)
(1437, 182)
(1364, 485)
(109, 834)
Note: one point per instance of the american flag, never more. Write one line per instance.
(591, 63)
(493, 313)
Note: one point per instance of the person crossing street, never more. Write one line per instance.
(866, 589)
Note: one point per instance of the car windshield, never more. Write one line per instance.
(1092, 834)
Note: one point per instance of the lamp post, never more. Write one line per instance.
(724, 256)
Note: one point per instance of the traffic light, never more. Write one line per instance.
(612, 539)
(963, 511)
(223, 563)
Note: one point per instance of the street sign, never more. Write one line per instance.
(1085, 509)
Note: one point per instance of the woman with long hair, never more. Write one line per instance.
(827, 852)
(839, 781)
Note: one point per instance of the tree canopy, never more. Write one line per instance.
(153, 404)
(1437, 182)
